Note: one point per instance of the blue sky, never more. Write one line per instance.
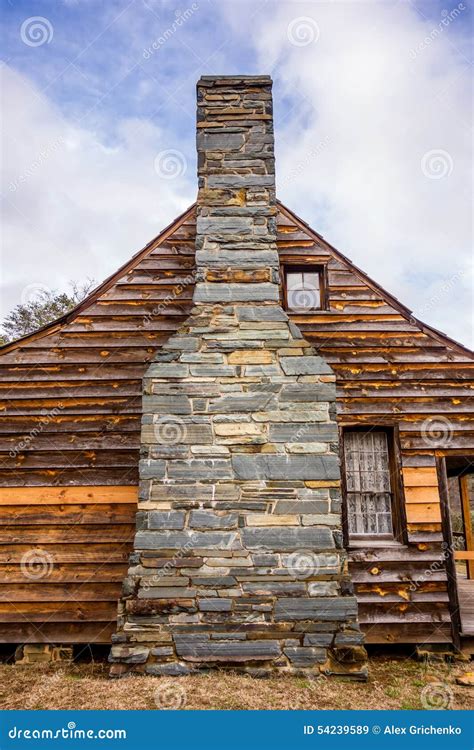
(372, 116)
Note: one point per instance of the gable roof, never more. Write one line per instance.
(61, 322)
(389, 298)
(84, 304)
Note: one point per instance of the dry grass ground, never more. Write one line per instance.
(393, 684)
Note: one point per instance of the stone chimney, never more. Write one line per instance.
(238, 557)
(236, 252)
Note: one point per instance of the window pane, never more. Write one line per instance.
(311, 280)
(303, 290)
(294, 280)
(369, 497)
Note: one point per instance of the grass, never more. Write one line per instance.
(393, 684)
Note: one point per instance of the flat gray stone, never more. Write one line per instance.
(173, 433)
(238, 181)
(242, 402)
(181, 492)
(161, 592)
(261, 314)
(264, 560)
(224, 225)
(166, 451)
(203, 519)
(222, 141)
(304, 365)
(238, 259)
(165, 404)
(203, 358)
(317, 564)
(300, 507)
(167, 370)
(162, 651)
(215, 581)
(276, 538)
(215, 605)
(269, 588)
(311, 432)
(212, 371)
(339, 609)
(151, 469)
(318, 639)
(349, 638)
(158, 519)
(206, 468)
(129, 654)
(302, 467)
(214, 292)
(182, 343)
(302, 656)
(167, 670)
(295, 331)
(308, 392)
(228, 651)
(323, 588)
(159, 540)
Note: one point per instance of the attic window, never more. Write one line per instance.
(303, 288)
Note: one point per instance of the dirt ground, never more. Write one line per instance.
(393, 684)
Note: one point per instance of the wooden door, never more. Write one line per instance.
(466, 554)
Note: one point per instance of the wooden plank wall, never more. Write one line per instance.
(70, 408)
(392, 372)
(63, 552)
(69, 435)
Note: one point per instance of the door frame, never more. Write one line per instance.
(468, 553)
(449, 551)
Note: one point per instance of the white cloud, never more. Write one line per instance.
(376, 89)
(74, 207)
(378, 98)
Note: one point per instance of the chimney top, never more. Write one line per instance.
(236, 80)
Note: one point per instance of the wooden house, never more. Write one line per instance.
(80, 399)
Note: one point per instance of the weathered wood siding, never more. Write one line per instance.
(70, 422)
(69, 440)
(392, 370)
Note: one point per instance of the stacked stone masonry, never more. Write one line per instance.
(238, 558)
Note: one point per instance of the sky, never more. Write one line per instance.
(373, 127)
